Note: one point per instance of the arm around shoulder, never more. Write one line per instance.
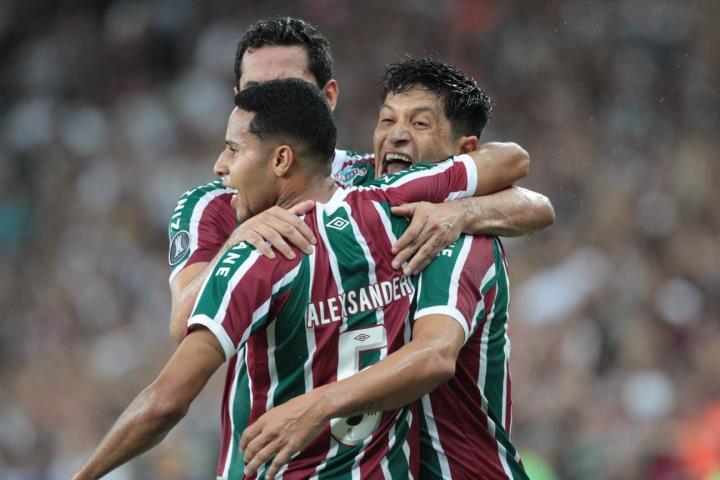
(499, 165)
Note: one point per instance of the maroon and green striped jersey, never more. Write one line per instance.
(291, 325)
(203, 217)
(465, 423)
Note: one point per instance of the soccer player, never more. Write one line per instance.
(203, 222)
(306, 321)
(465, 423)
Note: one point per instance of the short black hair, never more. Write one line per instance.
(293, 111)
(467, 106)
(288, 31)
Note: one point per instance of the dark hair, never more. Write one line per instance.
(293, 111)
(467, 106)
(288, 31)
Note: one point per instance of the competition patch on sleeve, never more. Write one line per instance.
(179, 247)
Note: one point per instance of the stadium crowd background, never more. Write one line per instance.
(109, 110)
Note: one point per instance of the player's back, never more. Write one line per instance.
(309, 321)
(356, 310)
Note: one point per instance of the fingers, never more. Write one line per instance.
(408, 240)
(406, 210)
(410, 252)
(281, 458)
(302, 208)
(425, 254)
(263, 456)
(250, 433)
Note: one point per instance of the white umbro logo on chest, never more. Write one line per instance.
(337, 223)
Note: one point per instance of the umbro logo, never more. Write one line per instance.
(337, 223)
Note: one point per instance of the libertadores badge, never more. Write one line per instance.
(179, 247)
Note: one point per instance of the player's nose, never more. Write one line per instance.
(399, 134)
(221, 167)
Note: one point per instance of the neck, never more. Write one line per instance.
(319, 189)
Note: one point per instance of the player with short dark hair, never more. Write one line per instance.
(288, 31)
(467, 106)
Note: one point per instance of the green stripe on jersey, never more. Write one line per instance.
(440, 272)
(496, 343)
(211, 299)
(429, 463)
(290, 339)
(240, 414)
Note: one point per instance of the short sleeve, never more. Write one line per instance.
(236, 299)
(457, 282)
(202, 220)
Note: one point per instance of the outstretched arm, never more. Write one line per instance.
(512, 212)
(159, 407)
(402, 377)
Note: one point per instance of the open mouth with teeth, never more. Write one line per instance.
(395, 162)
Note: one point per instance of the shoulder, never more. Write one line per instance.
(351, 168)
(195, 200)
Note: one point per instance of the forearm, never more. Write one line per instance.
(510, 213)
(397, 380)
(499, 165)
(141, 426)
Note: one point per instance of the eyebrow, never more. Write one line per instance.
(414, 111)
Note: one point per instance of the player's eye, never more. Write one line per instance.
(421, 124)
(386, 121)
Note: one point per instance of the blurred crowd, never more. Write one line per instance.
(109, 110)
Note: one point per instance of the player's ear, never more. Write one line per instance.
(283, 157)
(467, 144)
(331, 92)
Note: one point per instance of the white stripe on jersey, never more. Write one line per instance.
(239, 358)
(194, 226)
(435, 436)
(272, 368)
(310, 332)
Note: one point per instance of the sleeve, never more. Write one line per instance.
(200, 223)
(459, 282)
(438, 182)
(236, 299)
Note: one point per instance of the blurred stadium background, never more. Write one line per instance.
(109, 110)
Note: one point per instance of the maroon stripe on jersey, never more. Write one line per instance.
(217, 222)
(259, 373)
(225, 423)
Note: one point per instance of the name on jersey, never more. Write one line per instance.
(364, 299)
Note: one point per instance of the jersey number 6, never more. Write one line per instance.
(353, 430)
